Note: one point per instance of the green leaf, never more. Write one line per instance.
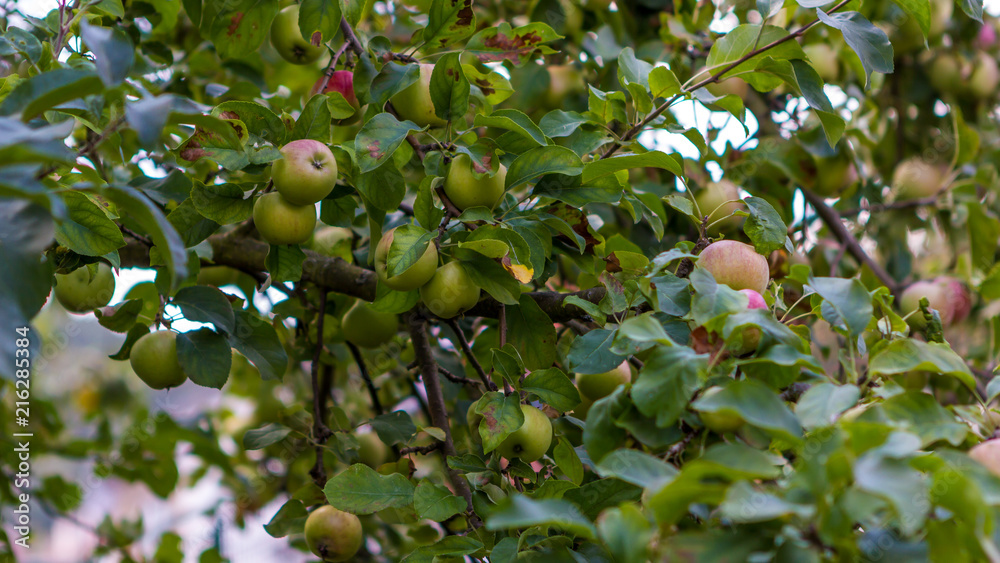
(653, 159)
(746, 504)
(667, 381)
(553, 387)
(568, 461)
(434, 502)
(47, 90)
(284, 262)
(493, 85)
(289, 519)
(626, 531)
(758, 405)
(764, 226)
(359, 489)
(205, 304)
(147, 215)
(638, 468)
(87, 230)
(264, 436)
(591, 353)
(516, 121)
(205, 357)
(492, 278)
(22, 41)
(256, 339)
(382, 187)
(907, 354)
(981, 226)
(449, 21)
(449, 547)
(532, 333)
(850, 302)
(394, 428)
(663, 83)
(409, 243)
(868, 41)
(223, 203)
(320, 17)
(519, 511)
(449, 87)
(822, 403)
(602, 434)
(260, 120)
(113, 52)
(315, 120)
(740, 42)
(502, 416)
(607, 106)
(501, 43)
(379, 139)
(121, 317)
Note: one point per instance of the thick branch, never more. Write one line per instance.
(435, 400)
(836, 225)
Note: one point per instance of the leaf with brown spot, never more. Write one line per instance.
(449, 21)
(501, 43)
(237, 27)
(501, 417)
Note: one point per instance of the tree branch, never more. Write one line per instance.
(360, 360)
(320, 430)
(471, 357)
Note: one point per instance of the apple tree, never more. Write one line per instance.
(500, 281)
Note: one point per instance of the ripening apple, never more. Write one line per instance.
(596, 386)
(721, 421)
(332, 241)
(735, 264)
(414, 102)
(915, 178)
(333, 535)
(368, 328)
(280, 222)
(411, 278)
(824, 59)
(305, 173)
(287, 38)
(720, 197)
(465, 190)
(985, 77)
(81, 292)
(451, 291)
(945, 294)
(531, 440)
(751, 334)
(154, 360)
(988, 454)
(340, 81)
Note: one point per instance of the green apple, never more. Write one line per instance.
(732, 86)
(947, 73)
(595, 386)
(280, 222)
(451, 291)
(81, 291)
(287, 38)
(834, 174)
(154, 360)
(985, 77)
(472, 418)
(824, 60)
(367, 327)
(332, 330)
(583, 408)
(988, 454)
(333, 535)
(414, 102)
(305, 173)
(719, 197)
(332, 241)
(720, 421)
(411, 278)
(751, 335)
(465, 190)
(736, 264)
(564, 80)
(915, 178)
(217, 276)
(371, 450)
(531, 440)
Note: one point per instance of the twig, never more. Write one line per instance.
(351, 37)
(449, 375)
(89, 145)
(360, 360)
(678, 448)
(920, 202)
(320, 430)
(141, 238)
(421, 449)
(507, 390)
(449, 207)
(467, 350)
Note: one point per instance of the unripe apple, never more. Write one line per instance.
(719, 197)
(732, 86)
(332, 330)
(451, 291)
(465, 190)
(287, 38)
(371, 450)
(306, 173)
(735, 264)
(333, 535)
(946, 73)
(751, 335)
(154, 360)
(411, 278)
(531, 440)
(721, 421)
(332, 241)
(81, 292)
(985, 77)
(988, 454)
(342, 82)
(595, 386)
(472, 418)
(916, 179)
(833, 175)
(280, 222)
(367, 327)
(218, 276)
(583, 408)
(824, 60)
(564, 80)
(414, 102)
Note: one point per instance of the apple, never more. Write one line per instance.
(735, 264)
(916, 179)
(947, 73)
(340, 81)
(411, 278)
(80, 291)
(332, 241)
(367, 327)
(988, 454)
(583, 408)
(595, 386)
(472, 418)
(945, 294)
(732, 86)
(332, 331)
(985, 77)
(834, 174)
(414, 102)
(465, 190)
(564, 80)
(280, 222)
(824, 59)
(217, 276)
(451, 291)
(721, 421)
(154, 360)
(287, 38)
(751, 334)
(371, 450)
(720, 196)
(531, 440)
(333, 535)
(305, 173)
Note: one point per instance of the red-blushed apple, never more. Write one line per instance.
(450, 292)
(945, 294)
(915, 178)
(413, 277)
(531, 440)
(465, 190)
(306, 173)
(414, 102)
(280, 222)
(751, 335)
(988, 454)
(721, 198)
(287, 38)
(595, 386)
(735, 264)
(340, 81)
(367, 327)
(154, 360)
(333, 535)
(81, 292)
